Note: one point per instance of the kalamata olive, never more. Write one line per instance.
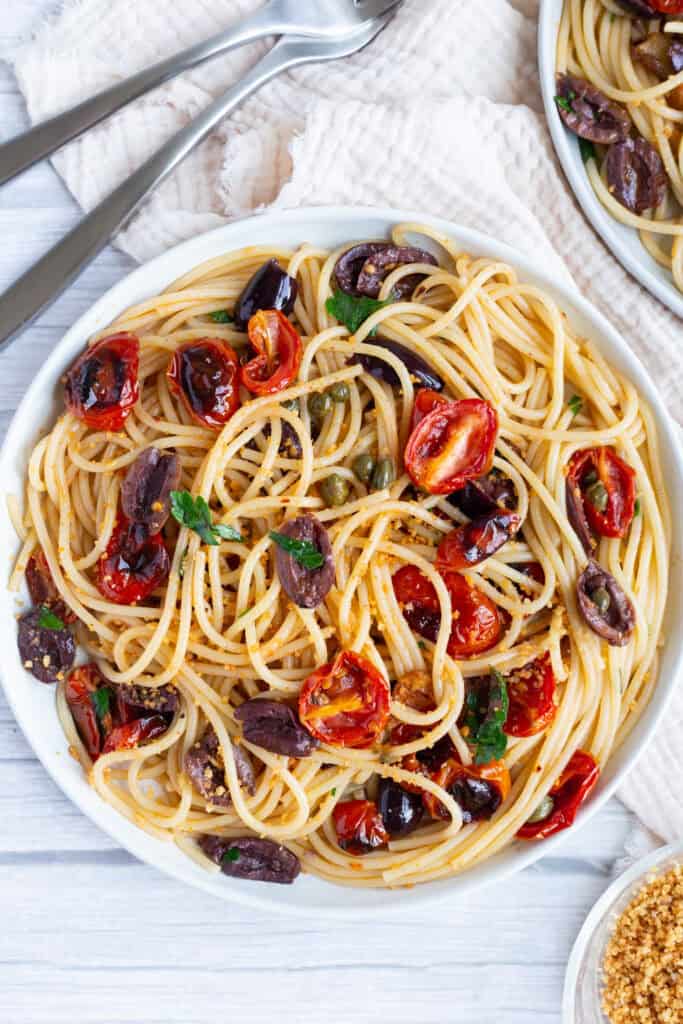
(363, 467)
(307, 588)
(275, 727)
(588, 113)
(334, 490)
(350, 264)
(205, 766)
(478, 799)
(340, 393)
(46, 653)
(290, 443)
(319, 405)
(269, 288)
(676, 55)
(640, 7)
(435, 757)
(401, 810)
(635, 175)
(378, 267)
(576, 514)
(485, 495)
(146, 489)
(383, 475)
(419, 370)
(255, 860)
(472, 542)
(164, 699)
(654, 53)
(614, 619)
(42, 588)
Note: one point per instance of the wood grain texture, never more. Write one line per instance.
(93, 937)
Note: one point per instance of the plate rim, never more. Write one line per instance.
(646, 271)
(171, 265)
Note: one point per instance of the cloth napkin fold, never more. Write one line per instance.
(442, 113)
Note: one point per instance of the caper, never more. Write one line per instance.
(597, 495)
(334, 490)
(544, 809)
(340, 392)
(364, 466)
(590, 478)
(319, 405)
(601, 599)
(291, 404)
(384, 474)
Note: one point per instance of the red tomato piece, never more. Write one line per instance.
(605, 486)
(534, 570)
(278, 353)
(82, 683)
(471, 543)
(205, 376)
(134, 564)
(531, 691)
(667, 6)
(477, 622)
(359, 827)
(132, 734)
(42, 589)
(452, 444)
(346, 702)
(425, 402)
(102, 386)
(568, 794)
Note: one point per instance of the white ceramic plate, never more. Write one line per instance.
(624, 242)
(33, 703)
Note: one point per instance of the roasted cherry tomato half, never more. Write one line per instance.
(425, 402)
(477, 622)
(568, 794)
(359, 827)
(134, 564)
(531, 692)
(132, 734)
(346, 702)
(453, 444)
(79, 691)
(205, 376)
(278, 353)
(667, 6)
(42, 589)
(471, 543)
(102, 386)
(605, 486)
(534, 570)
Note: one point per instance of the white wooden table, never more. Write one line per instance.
(90, 936)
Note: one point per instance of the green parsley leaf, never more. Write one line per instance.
(334, 791)
(564, 103)
(303, 551)
(489, 739)
(48, 620)
(587, 150)
(637, 508)
(422, 645)
(231, 855)
(221, 316)
(575, 404)
(352, 311)
(195, 514)
(101, 700)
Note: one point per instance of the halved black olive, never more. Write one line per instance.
(205, 766)
(307, 588)
(269, 288)
(256, 860)
(604, 605)
(590, 114)
(275, 726)
(146, 489)
(350, 264)
(417, 367)
(635, 175)
(639, 7)
(400, 809)
(485, 495)
(47, 653)
(378, 266)
(576, 515)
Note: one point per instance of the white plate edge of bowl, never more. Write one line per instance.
(623, 242)
(362, 222)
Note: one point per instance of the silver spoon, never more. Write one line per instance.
(320, 18)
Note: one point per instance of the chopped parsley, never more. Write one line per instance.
(637, 508)
(353, 311)
(587, 150)
(195, 514)
(334, 791)
(48, 620)
(101, 701)
(221, 316)
(486, 735)
(575, 404)
(231, 855)
(564, 103)
(303, 551)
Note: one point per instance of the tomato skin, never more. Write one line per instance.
(569, 792)
(80, 686)
(619, 481)
(425, 402)
(132, 734)
(359, 827)
(134, 564)
(454, 443)
(204, 374)
(668, 6)
(102, 386)
(349, 680)
(531, 691)
(473, 542)
(278, 353)
(477, 622)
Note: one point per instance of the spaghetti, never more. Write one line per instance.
(375, 667)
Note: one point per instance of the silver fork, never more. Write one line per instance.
(321, 18)
(48, 278)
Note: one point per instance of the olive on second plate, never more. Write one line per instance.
(270, 288)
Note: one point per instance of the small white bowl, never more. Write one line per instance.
(33, 704)
(582, 1001)
(623, 241)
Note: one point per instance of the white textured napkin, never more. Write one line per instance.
(442, 113)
